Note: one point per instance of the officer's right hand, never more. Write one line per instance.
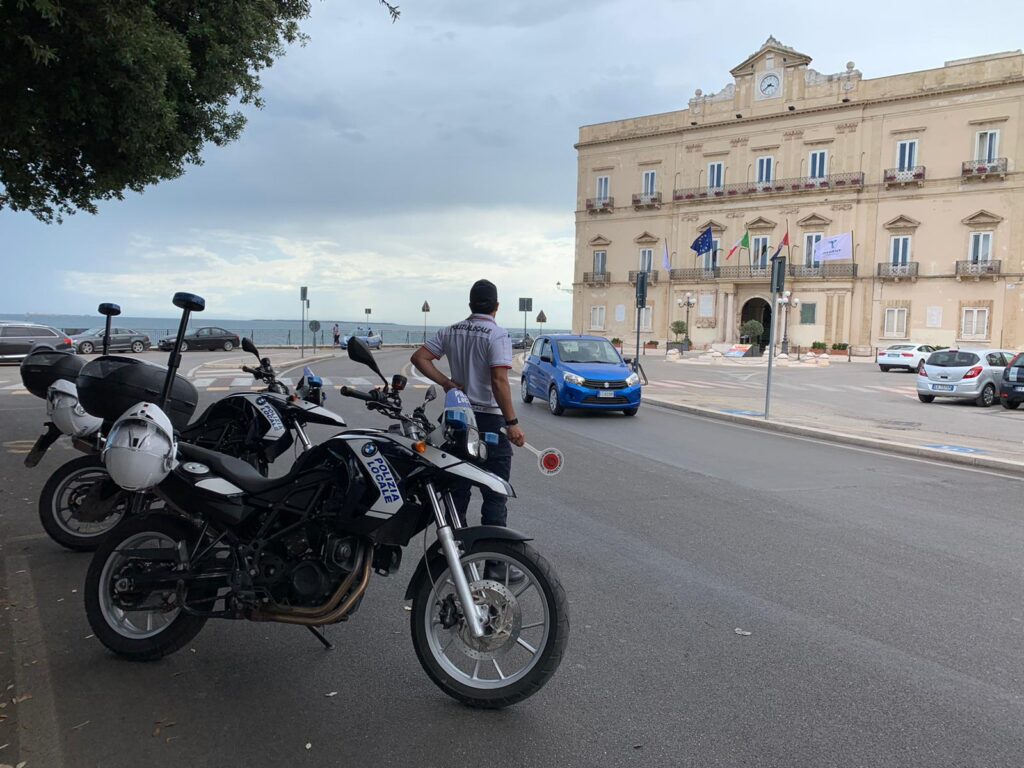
(516, 436)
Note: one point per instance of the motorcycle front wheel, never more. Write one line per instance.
(526, 627)
(61, 505)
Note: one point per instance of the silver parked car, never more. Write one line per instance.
(965, 374)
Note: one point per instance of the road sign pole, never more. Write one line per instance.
(778, 282)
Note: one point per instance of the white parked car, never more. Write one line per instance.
(906, 356)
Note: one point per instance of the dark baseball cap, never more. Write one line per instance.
(483, 296)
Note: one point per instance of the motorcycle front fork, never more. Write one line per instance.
(446, 516)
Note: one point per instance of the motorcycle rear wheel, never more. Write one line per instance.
(62, 495)
(158, 626)
(527, 627)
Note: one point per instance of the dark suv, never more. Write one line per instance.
(18, 339)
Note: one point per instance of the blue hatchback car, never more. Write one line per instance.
(579, 372)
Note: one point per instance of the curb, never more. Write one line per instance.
(984, 462)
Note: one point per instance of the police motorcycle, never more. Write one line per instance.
(79, 504)
(301, 549)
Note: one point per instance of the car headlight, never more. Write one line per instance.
(572, 378)
(632, 380)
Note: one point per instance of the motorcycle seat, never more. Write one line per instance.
(236, 471)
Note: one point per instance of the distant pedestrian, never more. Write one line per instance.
(369, 333)
(337, 335)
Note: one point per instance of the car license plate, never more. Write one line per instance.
(943, 387)
(606, 394)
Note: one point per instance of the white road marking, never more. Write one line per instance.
(12, 386)
(358, 381)
(241, 381)
(37, 719)
(202, 383)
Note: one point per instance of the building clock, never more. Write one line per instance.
(769, 85)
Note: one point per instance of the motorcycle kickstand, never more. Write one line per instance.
(320, 636)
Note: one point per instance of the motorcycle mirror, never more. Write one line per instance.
(360, 353)
(189, 301)
(110, 310)
(249, 347)
(430, 394)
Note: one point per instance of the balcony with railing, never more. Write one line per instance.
(597, 278)
(977, 268)
(694, 274)
(897, 271)
(647, 200)
(600, 204)
(826, 270)
(834, 181)
(984, 169)
(652, 276)
(893, 177)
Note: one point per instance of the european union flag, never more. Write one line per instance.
(703, 243)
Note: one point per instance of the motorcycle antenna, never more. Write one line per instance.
(109, 310)
(187, 303)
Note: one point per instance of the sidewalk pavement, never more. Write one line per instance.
(816, 420)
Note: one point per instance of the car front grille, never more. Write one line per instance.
(592, 384)
(617, 400)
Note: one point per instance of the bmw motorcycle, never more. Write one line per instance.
(489, 618)
(79, 504)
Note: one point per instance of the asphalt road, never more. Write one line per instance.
(882, 596)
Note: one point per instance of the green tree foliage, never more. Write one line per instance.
(98, 97)
(678, 328)
(752, 329)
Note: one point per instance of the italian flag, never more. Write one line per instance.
(744, 242)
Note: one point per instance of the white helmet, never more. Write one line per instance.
(66, 412)
(140, 450)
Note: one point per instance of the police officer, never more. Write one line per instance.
(479, 354)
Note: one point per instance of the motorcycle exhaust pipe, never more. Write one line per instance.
(330, 613)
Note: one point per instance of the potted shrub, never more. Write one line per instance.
(690, 195)
(752, 330)
(840, 346)
(652, 344)
(819, 348)
(751, 189)
(678, 329)
(840, 182)
(616, 342)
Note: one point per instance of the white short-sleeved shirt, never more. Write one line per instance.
(473, 347)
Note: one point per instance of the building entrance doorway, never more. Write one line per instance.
(760, 310)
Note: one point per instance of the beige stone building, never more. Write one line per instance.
(922, 168)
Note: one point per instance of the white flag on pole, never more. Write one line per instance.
(834, 248)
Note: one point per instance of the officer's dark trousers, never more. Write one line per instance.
(499, 461)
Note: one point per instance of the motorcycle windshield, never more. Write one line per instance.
(311, 378)
(458, 411)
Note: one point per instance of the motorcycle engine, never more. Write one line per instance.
(305, 566)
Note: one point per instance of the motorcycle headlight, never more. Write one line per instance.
(572, 378)
(632, 380)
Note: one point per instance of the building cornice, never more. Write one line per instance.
(853, 105)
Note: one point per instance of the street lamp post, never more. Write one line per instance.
(687, 302)
(786, 300)
(558, 286)
(424, 309)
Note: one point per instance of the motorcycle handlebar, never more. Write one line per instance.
(349, 392)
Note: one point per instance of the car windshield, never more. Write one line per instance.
(92, 332)
(901, 346)
(952, 358)
(1018, 361)
(587, 351)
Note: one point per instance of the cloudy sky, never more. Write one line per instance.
(394, 164)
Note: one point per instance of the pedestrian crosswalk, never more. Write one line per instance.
(212, 383)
